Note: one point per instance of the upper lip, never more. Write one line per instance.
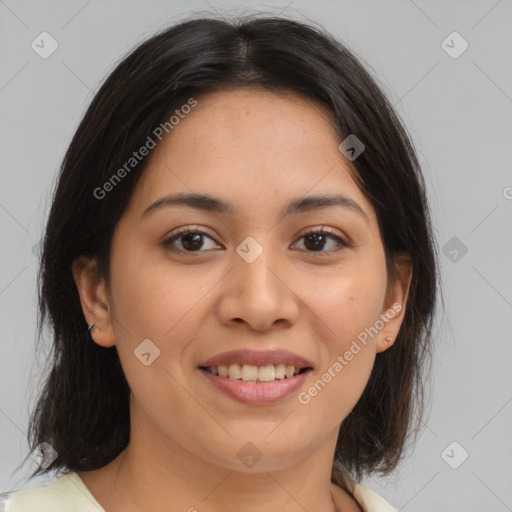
(257, 358)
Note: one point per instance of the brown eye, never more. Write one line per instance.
(188, 240)
(192, 241)
(316, 241)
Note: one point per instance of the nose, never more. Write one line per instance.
(259, 294)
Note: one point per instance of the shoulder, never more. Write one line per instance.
(67, 493)
(370, 501)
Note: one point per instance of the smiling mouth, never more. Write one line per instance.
(256, 374)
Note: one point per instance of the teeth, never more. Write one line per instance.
(252, 373)
(235, 371)
(280, 371)
(249, 372)
(266, 373)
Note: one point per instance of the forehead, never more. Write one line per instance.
(252, 146)
(243, 121)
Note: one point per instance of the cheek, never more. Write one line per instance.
(154, 297)
(155, 302)
(340, 381)
(349, 300)
(348, 304)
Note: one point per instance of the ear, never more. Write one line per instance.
(393, 312)
(94, 299)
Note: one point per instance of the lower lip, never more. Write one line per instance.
(257, 394)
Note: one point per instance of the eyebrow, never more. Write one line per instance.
(212, 204)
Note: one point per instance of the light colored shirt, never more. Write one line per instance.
(69, 494)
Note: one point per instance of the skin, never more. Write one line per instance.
(257, 150)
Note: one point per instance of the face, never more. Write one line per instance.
(253, 276)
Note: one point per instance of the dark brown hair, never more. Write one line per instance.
(83, 408)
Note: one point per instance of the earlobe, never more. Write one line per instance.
(396, 299)
(93, 295)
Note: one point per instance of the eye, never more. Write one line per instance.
(191, 240)
(317, 240)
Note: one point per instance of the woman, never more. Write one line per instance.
(240, 273)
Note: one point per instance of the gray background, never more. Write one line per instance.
(458, 111)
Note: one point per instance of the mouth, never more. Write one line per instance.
(256, 377)
(256, 374)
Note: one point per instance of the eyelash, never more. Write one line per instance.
(167, 243)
